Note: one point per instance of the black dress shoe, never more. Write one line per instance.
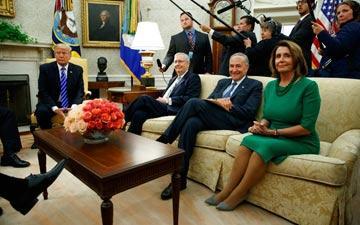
(163, 139)
(36, 185)
(168, 191)
(13, 160)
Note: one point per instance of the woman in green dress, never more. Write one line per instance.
(291, 108)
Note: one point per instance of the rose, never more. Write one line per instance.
(94, 115)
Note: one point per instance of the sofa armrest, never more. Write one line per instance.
(346, 147)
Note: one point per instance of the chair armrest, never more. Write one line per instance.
(346, 147)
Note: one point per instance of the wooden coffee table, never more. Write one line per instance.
(125, 161)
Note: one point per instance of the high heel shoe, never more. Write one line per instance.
(212, 201)
(222, 206)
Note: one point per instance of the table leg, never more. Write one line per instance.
(175, 180)
(107, 211)
(42, 165)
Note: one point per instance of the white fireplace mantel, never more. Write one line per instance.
(17, 58)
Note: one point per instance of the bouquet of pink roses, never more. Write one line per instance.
(98, 115)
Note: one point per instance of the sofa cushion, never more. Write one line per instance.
(309, 167)
(214, 139)
(157, 125)
(317, 168)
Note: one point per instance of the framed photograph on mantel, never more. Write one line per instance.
(101, 22)
(7, 8)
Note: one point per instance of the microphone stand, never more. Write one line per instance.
(220, 20)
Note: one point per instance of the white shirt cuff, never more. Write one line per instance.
(54, 108)
(169, 102)
(211, 32)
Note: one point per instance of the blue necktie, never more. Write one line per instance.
(63, 89)
(227, 94)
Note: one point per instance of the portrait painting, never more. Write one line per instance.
(101, 23)
(7, 8)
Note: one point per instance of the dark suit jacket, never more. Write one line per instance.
(201, 61)
(106, 33)
(344, 49)
(303, 35)
(259, 55)
(231, 44)
(246, 100)
(49, 84)
(188, 87)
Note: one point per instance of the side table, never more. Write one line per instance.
(127, 95)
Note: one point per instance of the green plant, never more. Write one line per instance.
(13, 32)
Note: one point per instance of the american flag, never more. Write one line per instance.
(325, 14)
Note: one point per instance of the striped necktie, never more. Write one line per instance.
(63, 89)
(227, 94)
(191, 41)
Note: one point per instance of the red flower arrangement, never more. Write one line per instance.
(94, 116)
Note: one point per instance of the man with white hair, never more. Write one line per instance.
(231, 106)
(182, 87)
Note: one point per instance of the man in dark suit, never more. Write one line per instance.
(231, 106)
(181, 88)
(10, 139)
(22, 193)
(302, 33)
(234, 43)
(61, 87)
(193, 43)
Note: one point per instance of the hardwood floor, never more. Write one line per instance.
(71, 202)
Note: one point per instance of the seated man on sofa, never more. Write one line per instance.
(231, 106)
(180, 89)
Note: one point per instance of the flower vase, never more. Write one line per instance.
(96, 137)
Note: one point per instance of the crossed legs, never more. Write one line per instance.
(248, 169)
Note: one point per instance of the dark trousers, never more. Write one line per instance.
(11, 187)
(143, 108)
(197, 115)
(9, 132)
(43, 115)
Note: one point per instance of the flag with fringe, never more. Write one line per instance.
(325, 14)
(130, 58)
(64, 29)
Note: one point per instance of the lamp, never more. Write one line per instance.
(147, 39)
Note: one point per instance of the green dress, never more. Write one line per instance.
(296, 104)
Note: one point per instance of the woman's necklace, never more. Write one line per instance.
(280, 91)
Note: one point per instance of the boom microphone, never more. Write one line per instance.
(159, 64)
(232, 6)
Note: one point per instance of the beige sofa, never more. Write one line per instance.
(305, 189)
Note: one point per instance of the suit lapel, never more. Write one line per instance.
(241, 86)
(178, 85)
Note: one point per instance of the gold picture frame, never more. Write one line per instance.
(7, 8)
(101, 23)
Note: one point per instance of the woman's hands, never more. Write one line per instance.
(317, 28)
(261, 128)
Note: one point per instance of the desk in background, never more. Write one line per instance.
(99, 88)
(127, 95)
